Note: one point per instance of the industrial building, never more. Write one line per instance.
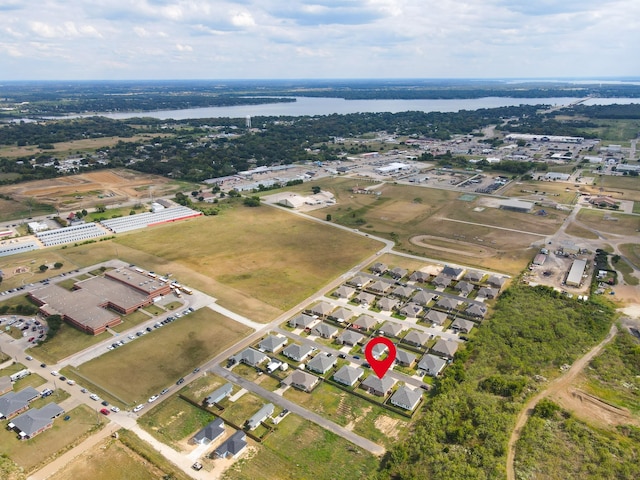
(574, 278)
(557, 176)
(75, 233)
(149, 219)
(393, 167)
(516, 205)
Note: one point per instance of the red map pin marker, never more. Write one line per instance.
(380, 366)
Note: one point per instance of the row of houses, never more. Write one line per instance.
(27, 422)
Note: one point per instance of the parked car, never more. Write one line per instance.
(95, 397)
(104, 411)
(181, 381)
(152, 398)
(164, 391)
(115, 409)
(138, 408)
(105, 403)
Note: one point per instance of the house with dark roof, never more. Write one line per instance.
(411, 310)
(322, 309)
(397, 273)
(379, 268)
(321, 363)
(349, 337)
(423, 298)
(392, 329)
(433, 316)
(387, 304)
(219, 394)
(297, 353)
(272, 343)
(447, 303)
(301, 380)
(416, 338)
(404, 358)
(406, 398)
(303, 321)
(420, 277)
(344, 292)
(260, 416)
(251, 357)
(364, 322)
(14, 403)
(454, 273)
(324, 330)
(35, 421)
(496, 281)
(441, 281)
(445, 348)
(473, 276)
(465, 288)
(487, 292)
(379, 387)
(431, 365)
(476, 311)
(462, 325)
(341, 315)
(209, 433)
(348, 375)
(233, 446)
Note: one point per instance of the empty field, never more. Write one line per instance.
(558, 192)
(67, 341)
(609, 222)
(155, 361)
(619, 187)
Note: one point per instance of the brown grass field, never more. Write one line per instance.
(620, 187)
(623, 225)
(158, 359)
(41, 449)
(632, 252)
(86, 189)
(559, 192)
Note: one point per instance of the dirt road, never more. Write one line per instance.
(560, 383)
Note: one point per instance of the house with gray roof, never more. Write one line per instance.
(251, 357)
(209, 433)
(496, 281)
(233, 446)
(392, 329)
(272, 343)
(476, 311)
(402, 291)
(378, 350)
(462, 325)
(434, 316)
(364, 298)
(387, 304)
(324, 330)
(348, 375)
(441, 281)
(379, 387)
(406, 398)
(301, 380)
(297, 353)
(344, 292)
(488, 292)
(13, 403)
(465, 288)
(445, 348)
(411, 310)
(473, 276)
(322, 309)
(321, 363)
(364, 322)
(341, 315)
(397, 273)
(404, 358)
(420, 277)
(447, 303)
(423, 297)
(431, 365)
(379, 268)
(452, 272)
(260, 416)
(349, 337)
(358, 281)
(219, 394)
(35, 421)
(416, 338)
(380, 287)
(303, 321)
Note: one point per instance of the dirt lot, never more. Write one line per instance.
(106, 187)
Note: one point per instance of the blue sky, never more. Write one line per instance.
(258, 39)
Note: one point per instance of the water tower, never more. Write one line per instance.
(248, 121)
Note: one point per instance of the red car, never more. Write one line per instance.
(104, 411)
(32, 339)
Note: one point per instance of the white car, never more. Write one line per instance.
(153, 398)
(71, 382)
(138, 408)
(54, 373)
(95, 397)
(115, 409)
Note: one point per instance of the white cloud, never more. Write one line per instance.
(184, 48)
(242, 19)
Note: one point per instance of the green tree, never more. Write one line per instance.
(43, 268)
(315, 189)
(57, 265)
(328, 217)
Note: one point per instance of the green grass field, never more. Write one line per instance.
(623, 225)
(559, 192)
(44, 447)
(620, 187)
(154, 361)
(67, 341)
(300, 450)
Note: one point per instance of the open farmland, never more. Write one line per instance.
(157, 360)
(434, 223)
(260, 253)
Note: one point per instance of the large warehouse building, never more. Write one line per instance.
(92, 305)
(574, 278)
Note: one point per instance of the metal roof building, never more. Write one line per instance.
(575, 274)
